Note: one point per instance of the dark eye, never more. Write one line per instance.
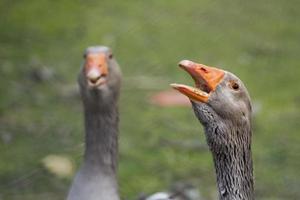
(110, 56)
(234, 85)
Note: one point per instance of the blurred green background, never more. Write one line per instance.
(41, 46)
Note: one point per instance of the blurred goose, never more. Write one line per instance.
(99, 81)
(178, 191)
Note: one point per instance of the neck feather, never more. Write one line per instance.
(101, 138)
(233, 164)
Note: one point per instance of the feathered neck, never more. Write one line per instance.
(233, 163)
(101, 138)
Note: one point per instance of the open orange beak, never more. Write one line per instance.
(96, 68)
(206, 79)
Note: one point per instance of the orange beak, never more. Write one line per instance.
(206, 79)
(95, 67)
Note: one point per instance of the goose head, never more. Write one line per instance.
(220, 101)
(100, 75)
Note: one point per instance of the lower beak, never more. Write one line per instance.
(191, 92)
(206, 79)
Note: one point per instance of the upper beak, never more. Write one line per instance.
(206, 79)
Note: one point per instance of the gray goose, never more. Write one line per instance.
(99, 81)
(222, 105)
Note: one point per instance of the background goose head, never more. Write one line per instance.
(100, 76)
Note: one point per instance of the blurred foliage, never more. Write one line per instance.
(41, 45)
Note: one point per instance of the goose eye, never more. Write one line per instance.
(110, 56)
(234, 85)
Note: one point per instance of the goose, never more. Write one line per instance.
(222, 104)
(99, 81)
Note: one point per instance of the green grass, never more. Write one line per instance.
(257, 40)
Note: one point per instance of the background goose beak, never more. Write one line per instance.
(95, 67)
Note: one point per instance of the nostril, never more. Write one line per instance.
(204, 70)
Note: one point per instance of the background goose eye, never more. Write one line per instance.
(234, 85)
(110, 56)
